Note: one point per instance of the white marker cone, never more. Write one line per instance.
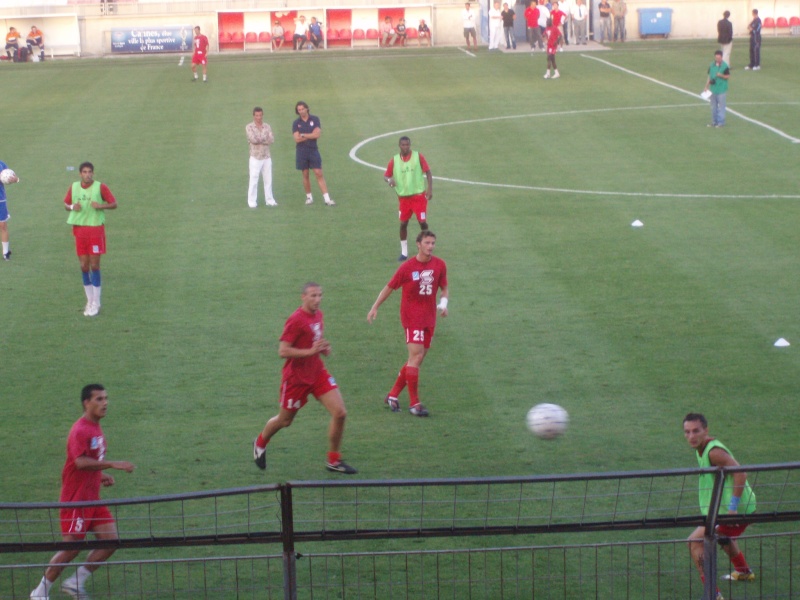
(637, 223)
(782, 343)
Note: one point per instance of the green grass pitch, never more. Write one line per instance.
(554, 296)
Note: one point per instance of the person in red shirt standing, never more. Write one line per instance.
(304, 373)
(421, 278)
(405, 174)
(553, 35)
(200, 56)
(532, 22)
(560, 21)
(81, 478)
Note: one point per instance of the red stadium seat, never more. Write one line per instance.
(411, 32)
(224, 37)
(372, 34)
(265, 37)
(344, 34)
(237, 37)
(782, 22)
(332, 35)
(794, 22)
(358, 34)
(769, 22)
(251, 37)
(288, 36)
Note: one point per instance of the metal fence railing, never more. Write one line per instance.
(305, 513)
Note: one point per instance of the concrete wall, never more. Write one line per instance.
(690, 18)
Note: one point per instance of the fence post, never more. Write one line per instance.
(287, 537)
(710, 538)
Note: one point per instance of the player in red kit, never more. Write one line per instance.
(81, 478)
(200, 56)
(553, 35)
(421, 278)
(305, 374)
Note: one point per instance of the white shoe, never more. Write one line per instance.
(756, 68)
(556, 75)
(37, 597)
(309, 201)
(330, 202)
(92, 310)
(253, 205)
(272, 203)
(547, 75)
(747, 68)
(86, 309)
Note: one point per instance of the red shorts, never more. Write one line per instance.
(199, 59)
(551, 51)
(76, 522)
(420, 336)
(417, 205)
(89, 240)
(731, 531)
(295, 395)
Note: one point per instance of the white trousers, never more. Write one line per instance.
(264, 169)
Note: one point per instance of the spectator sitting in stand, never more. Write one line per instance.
(277, 34)
(388, 34)
(423, 33)
(315, 33)
(401, 31)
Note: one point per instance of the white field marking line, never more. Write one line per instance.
(467, 52)
(794, 140)
(354, 151)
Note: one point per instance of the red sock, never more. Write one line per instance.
(334, 457)
(260, 442)
(740, 564)
(399, 384)
(412, 377)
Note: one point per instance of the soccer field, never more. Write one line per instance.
(555, 297)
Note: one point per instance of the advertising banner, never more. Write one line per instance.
(173, 38)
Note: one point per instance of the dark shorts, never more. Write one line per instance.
(469, 31)
(308, 159)
(294, 395)
(4, 216)
(78, 521)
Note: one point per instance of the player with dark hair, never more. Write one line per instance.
(304, 373)
(553, 35)
(86, 201)
(81, 479)
(737, 497)
(4, 216)
(306, 130)
(405, 174)
(35, 39)
(12, 43)
(200, 55)
(421, 278)
(755, 42)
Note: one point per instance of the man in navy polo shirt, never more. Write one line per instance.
(306, 130)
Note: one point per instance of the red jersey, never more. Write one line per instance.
(301, 330)
(532, 16)
(420, 282)
(85, 439)
(552, 34)
(422, 162)
(200, 44)
(558, 17)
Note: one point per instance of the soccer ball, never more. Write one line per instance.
(6, 175)
(547, 421)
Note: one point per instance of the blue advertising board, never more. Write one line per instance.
(173, 38)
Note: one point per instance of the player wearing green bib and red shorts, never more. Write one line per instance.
(737, 497)
(86, 201)
(410, 176)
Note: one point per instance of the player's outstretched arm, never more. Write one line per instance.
(373, 312)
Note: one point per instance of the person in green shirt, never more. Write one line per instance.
(717, 84)
(737, 497)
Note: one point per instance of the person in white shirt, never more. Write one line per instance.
(300, 33)
(544, 16)
(468, 18)
(495, 26)
(580, 14)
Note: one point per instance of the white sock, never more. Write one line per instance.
(43, 589)
(82, 574)
(309, 197)
(5, 247)
(326, 196)
(404, 247)
(195, 75)
(97, 290)
(89, 289)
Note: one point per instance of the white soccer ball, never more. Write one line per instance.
(547, 421)
(6, 176)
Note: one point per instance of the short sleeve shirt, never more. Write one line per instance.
(301, 330)
(420, 282)
(85, 439)
(307, 127)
